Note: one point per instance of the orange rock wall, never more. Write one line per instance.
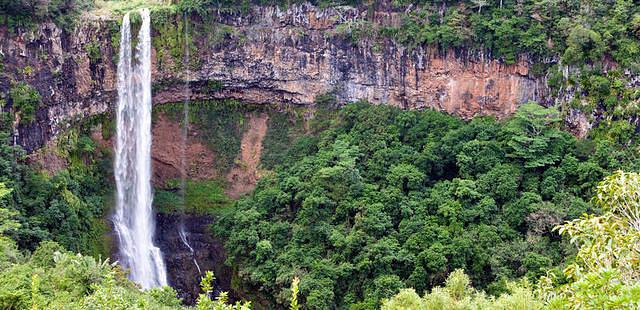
(271, 56)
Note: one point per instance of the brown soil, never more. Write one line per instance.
(168, 150)
(245, 173)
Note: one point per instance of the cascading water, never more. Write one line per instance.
(183, 237)
(185, 131)
(133, 219)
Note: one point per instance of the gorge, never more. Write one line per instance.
(348, 154)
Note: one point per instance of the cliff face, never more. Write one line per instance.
(265, 56)
(206, 251)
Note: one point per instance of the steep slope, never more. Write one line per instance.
(268, 55)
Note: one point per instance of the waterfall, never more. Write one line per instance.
(183, 237)
(133, 219)
(185, 135)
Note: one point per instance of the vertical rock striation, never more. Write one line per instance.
(268, 55)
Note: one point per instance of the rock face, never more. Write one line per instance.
(242, 178)
(208, 252)
(57, 64)
(167, 151)
(264, 56)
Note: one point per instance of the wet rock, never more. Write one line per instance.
(208, 252)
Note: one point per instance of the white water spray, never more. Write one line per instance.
(183, 238)
(133, 218)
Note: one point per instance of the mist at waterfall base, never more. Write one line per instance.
(133, 219)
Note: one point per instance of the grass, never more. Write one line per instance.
(201, 197)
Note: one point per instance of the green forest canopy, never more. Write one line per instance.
(387, 199)
(378, 200)
(384, 200)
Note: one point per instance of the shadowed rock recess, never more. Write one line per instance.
(267, 55)
(208, 251)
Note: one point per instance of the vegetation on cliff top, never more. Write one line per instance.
(587, 51)
(17, 14)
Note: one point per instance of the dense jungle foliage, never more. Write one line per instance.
(375, 201)
(604, 274)
(374, 207)
(386, 199)
(68, 207)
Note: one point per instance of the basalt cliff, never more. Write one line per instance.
(266, 55)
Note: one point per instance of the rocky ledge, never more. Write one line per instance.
(267, 55)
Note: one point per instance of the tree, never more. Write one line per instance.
(479, 4)
(220, 303)
(533, 138)
(606, 271)
(25, 101)
(452, 32)
(7, 221)
(406, 177)
(457, 294)
(583, 44)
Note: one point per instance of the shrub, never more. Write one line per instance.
(25, 101)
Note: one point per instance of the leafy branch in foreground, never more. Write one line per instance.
(220, 303)
(458, 294)
(606, 271)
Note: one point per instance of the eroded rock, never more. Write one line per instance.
(271, 56)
